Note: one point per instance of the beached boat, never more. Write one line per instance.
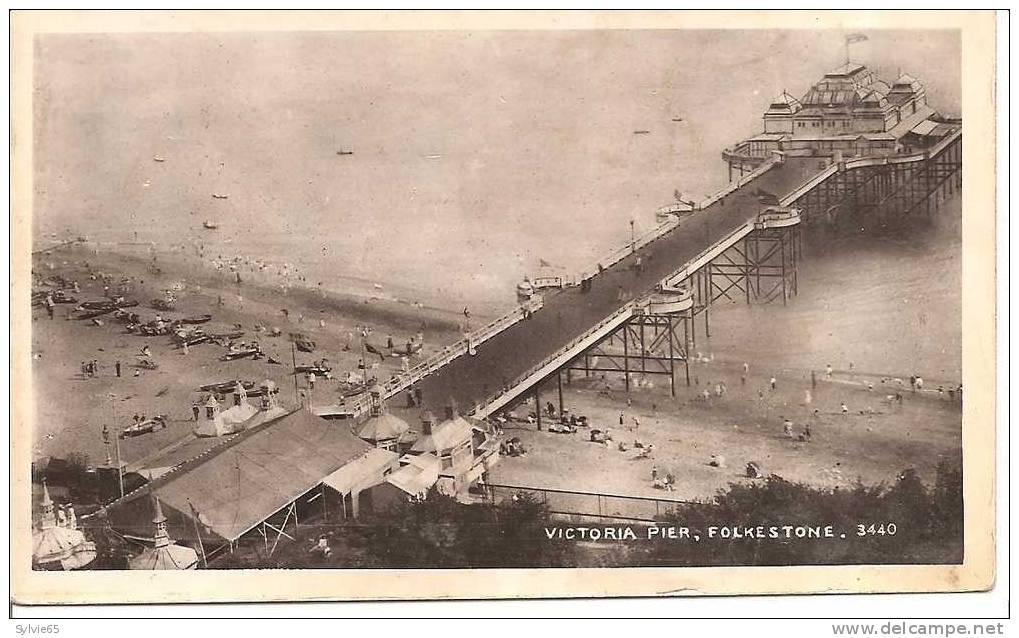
(144, 427)
(126, 317)
(347, 389)
(242, 353)
(226, 337)
(222, 387)
(191, 337)
(320, 369)
(197, 319)
(210, 225)
(91, 314)
(149, 330)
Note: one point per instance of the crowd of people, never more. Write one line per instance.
(715, 392)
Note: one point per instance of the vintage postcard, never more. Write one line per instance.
(411, 305)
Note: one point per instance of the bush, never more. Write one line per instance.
(927, 524)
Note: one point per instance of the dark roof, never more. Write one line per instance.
(239, 485)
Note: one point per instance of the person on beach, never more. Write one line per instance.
(844, 408)
(116, 367)
(787, 428)
(827, 372)
(919, 384)
(195, 410)
(773, 383)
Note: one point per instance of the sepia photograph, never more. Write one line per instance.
(474, 298)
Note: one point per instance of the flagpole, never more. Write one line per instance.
(120, 467)
(198, 534)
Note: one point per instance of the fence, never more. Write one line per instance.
(615, 507)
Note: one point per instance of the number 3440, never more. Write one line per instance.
(884, 529)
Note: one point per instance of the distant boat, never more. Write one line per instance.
(218, 196)
(641, 132)
(433, 157)
(158, 159)
(344, 152)
(677, 119)
(210, 225)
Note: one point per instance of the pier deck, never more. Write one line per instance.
(570, 312)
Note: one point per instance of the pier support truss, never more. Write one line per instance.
(647, 344)
(760, 267)
(888, 192)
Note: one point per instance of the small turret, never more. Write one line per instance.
(162, 537)
(211, 408)
(375, 393)
(270, 395)
(240, 394)
(48, 518)
(427, 422)
(451, 409)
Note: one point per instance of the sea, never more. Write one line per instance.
(443, 166)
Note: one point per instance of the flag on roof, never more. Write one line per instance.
(855, 37)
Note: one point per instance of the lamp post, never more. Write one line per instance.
(116, 440)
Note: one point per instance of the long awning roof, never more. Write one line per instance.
(237, 486)
(362, 471)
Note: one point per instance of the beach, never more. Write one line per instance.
(72, 408)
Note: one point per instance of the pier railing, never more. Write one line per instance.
(515, 387)
(612, 507)
(404, 380)
(862, 162)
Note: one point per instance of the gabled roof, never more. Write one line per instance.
(383, 427)
(236, 486)
(418, 475)
(363, 471)
(846, 70)
(784, 104)
(446, 436)
(906, 84)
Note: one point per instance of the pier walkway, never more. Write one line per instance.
(501, 357)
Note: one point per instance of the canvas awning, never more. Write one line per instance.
(418, 475)
(236, 486)
(363, 472)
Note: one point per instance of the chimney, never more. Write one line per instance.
(376, 400)
(427, 422)
(240, 394)
(451, 409)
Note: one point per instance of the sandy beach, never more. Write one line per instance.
(71, 409)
